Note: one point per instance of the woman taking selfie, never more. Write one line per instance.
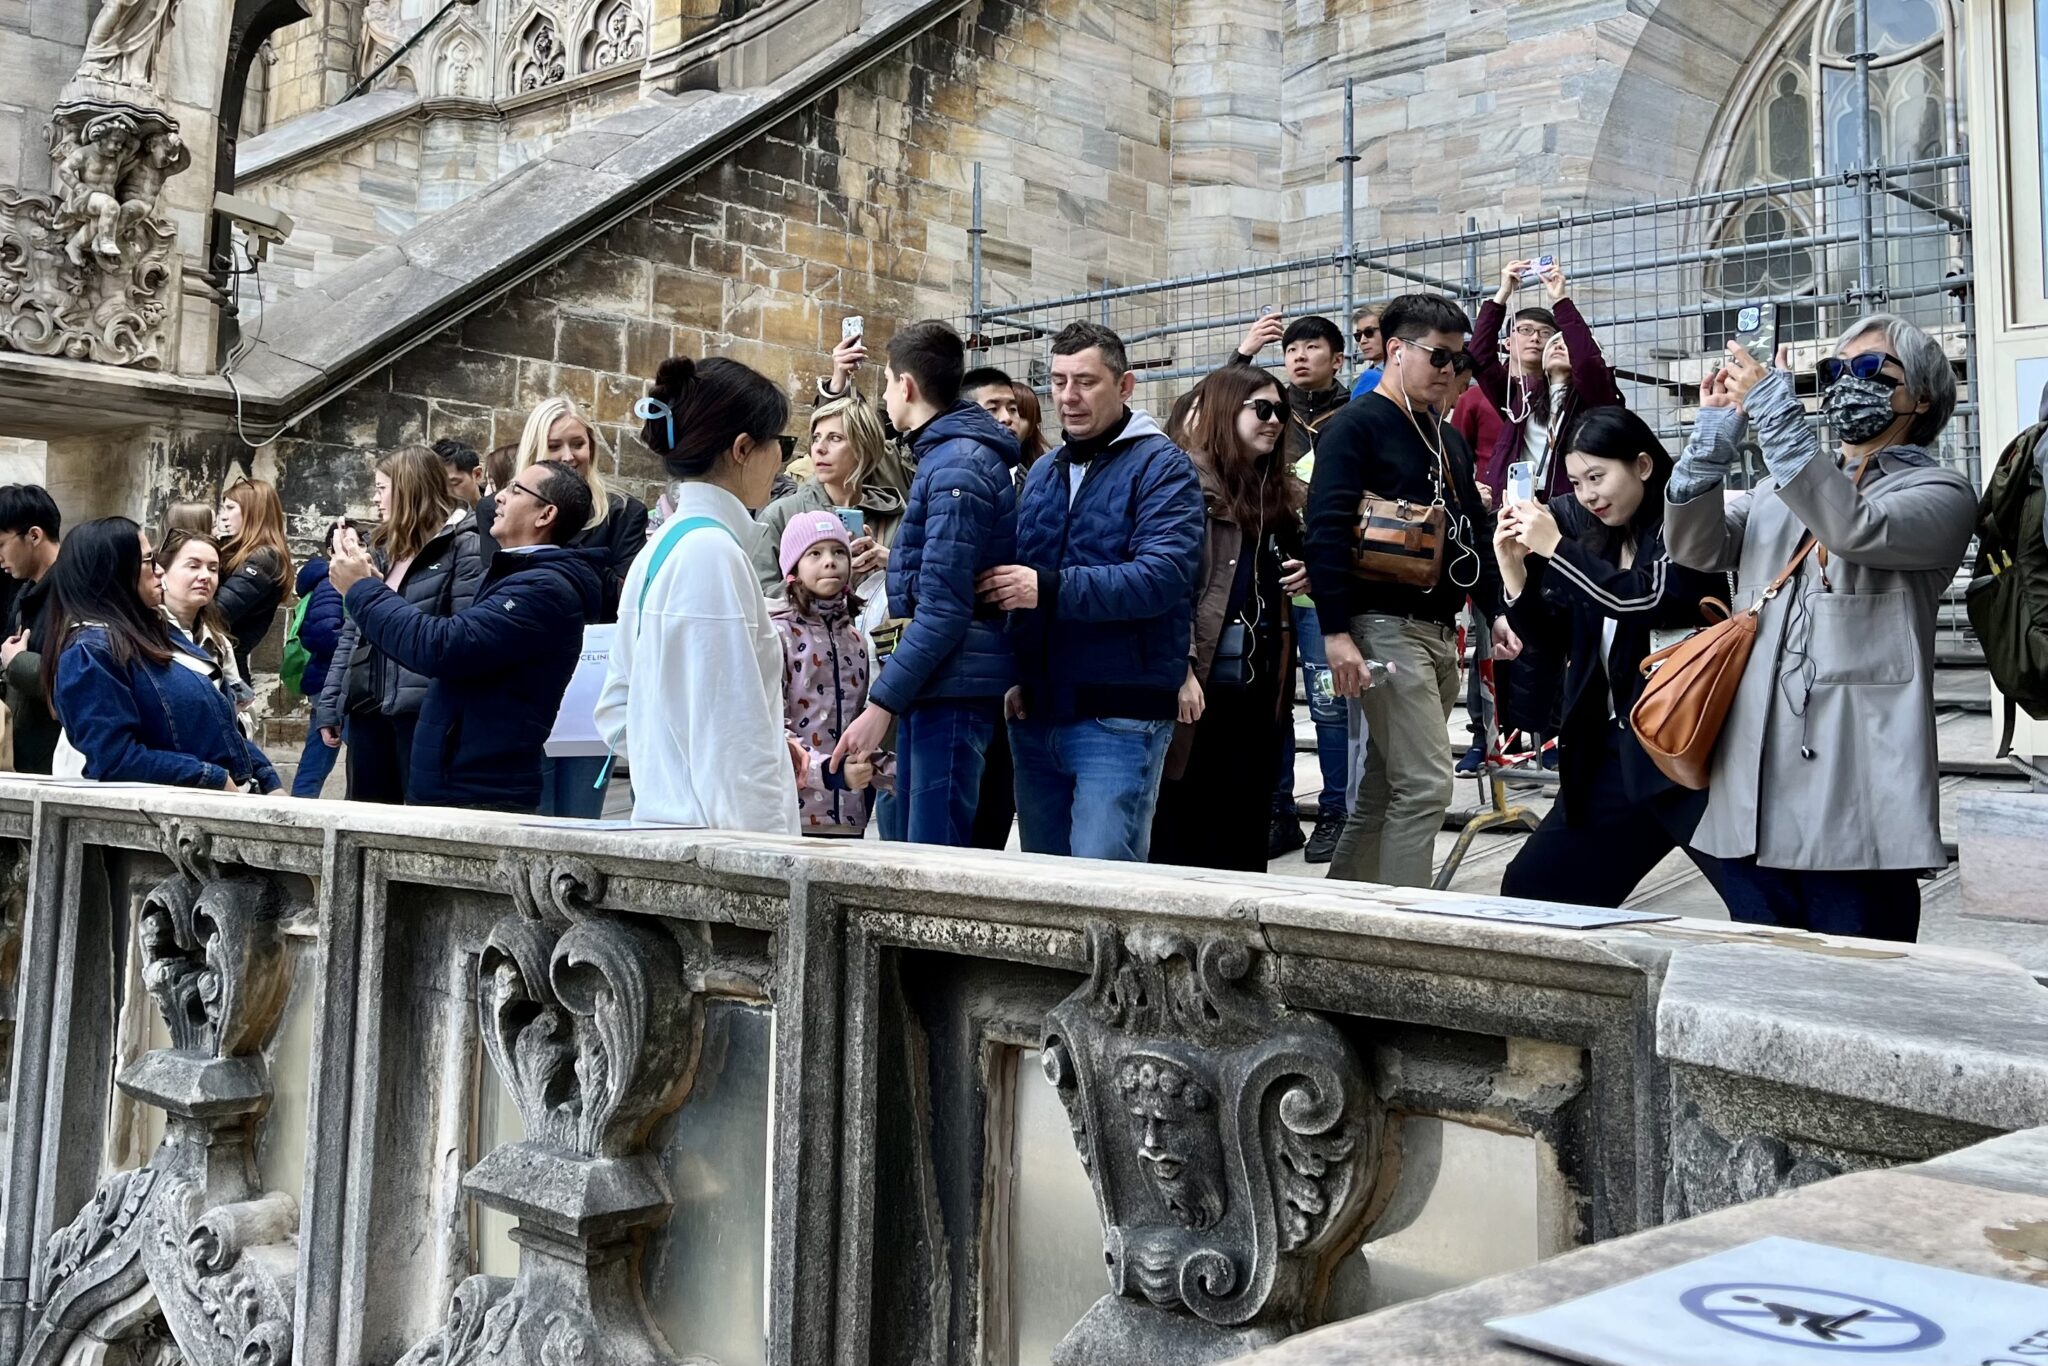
(1823, 802)
(426, 547)
(132, 708)
(1210, 813)
(1589, 584)
(190, 564)
(846, 445)
(255, 564)
(693, 694)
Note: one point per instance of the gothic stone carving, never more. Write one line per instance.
(593, 1023)
(1710, 1172)
(1230, 1141)
(541, 60)
(186, 1261)
(86, 272)
(617, 37)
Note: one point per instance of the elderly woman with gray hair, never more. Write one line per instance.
(1822, 805)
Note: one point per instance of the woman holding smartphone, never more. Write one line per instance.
(846, 447)
(1588, 580)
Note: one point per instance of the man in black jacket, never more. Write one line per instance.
(29, 527)
(1392, 443)
(499, 667)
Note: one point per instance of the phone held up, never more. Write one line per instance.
(1521, 482)
(854, 520)
(1534, 274)
(1756, 331)
(855, 326)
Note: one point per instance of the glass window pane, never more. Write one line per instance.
(1056, 1268)
(1788, 129)
(2041, 138)
(1895, 26)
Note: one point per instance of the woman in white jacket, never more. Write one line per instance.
(694, 690)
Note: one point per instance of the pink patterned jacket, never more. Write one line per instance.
(826, 664)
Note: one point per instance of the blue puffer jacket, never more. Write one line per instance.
(497, 671)
(1116, 563)
(320, 628)
(962, 519)
(152, 723)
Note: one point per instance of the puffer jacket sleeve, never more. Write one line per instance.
(469, 566)
(959, 510)
(320, 628)
(246, 591)
(328, 711)
(513, 619)
(1166, 550)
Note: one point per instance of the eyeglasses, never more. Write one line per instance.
(1264, 409)
(1365, 334)
(1535, 331)
(516, 487)
(1869, 365)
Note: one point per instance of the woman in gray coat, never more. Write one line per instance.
(1823, 798)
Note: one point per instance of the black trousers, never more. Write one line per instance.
(1874, 903)
(1600, 860)
(379, 756)
(1218, 813)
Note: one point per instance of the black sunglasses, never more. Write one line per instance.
(1365, 334)
(1441, 356)
(1264, 409)
(1869, 365)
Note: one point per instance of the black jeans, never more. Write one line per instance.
(1601, 860)
(379, 756)
(1876, 903)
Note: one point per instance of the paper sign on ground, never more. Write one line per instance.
(1532, 912)
(575, 732)
(1783, 1302)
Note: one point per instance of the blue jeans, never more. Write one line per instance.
(1087, 788)
(316, 761)
(1333, 750)
(568, 786)
(940, 750)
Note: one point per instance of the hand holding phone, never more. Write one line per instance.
(855, 326)
(1533, 274)
(1521, 482)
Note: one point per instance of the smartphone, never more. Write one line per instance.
(1521, 482)
(1756, 331)
(1534, 274)
(854, 520)
(1265, 310)
(855, 326)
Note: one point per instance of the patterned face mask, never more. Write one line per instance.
(1858, 409)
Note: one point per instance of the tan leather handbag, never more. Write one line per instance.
(1691, 685)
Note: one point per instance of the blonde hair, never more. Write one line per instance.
(533, 446)
(420, 502)
(863, 432)
(193, 517)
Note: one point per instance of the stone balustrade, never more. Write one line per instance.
(329, 1084)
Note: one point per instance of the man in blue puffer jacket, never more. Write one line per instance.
(1109, 539)
(498, 668)
(949, 672)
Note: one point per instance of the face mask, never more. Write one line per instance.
(1858, 409)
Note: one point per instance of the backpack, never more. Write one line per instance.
(292, 671)
(2008, 593)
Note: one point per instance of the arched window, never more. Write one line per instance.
(1794, 119)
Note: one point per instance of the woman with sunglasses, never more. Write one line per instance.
(137, 702)
(1823, 800)
(1210, 814)
(1553, 374)
(693, 693)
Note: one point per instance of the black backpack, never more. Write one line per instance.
(2008, 595)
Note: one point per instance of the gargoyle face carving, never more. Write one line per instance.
(1173, 1119)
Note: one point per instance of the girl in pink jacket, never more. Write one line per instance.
(827, 661)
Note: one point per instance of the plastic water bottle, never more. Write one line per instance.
(1377, 672)
(1324, 689)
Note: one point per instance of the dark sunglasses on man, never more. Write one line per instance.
(1441, 356)
(1869, 365)
(1361, 335)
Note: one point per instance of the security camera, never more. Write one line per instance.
(260, 223)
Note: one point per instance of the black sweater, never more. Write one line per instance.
(1371, 446)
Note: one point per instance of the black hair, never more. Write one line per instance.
(712, 404)
(1075, 338)
(27, 506)
(985, 377)
(562, 486)
(459, 456)
(94, 581)
(1619, 435)
(1414, 316)
(1533, 314)
(931, 353)
(1314, 327)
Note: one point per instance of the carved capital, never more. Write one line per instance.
(1230, 1141)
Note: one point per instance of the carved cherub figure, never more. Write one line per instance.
(163, 155)
(91, 177)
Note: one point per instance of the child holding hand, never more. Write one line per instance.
(827, 661)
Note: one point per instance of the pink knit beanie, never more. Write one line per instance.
(805, 530)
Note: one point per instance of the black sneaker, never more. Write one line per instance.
(1322, 845)
(1284, 837)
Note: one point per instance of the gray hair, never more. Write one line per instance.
(1929, 376)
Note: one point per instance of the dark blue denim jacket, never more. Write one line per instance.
(151, 723)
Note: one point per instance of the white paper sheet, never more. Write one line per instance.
(575, 732)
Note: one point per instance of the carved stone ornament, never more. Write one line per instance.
(593, 1024)
(618, 36)
(187, 1261)
(1230, 1141)
(542, 60)
(87, 272)
(1710, 1172)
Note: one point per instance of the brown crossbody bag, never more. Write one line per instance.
(1690, 686)
(1399, 540)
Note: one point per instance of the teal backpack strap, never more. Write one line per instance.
(670, 535)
